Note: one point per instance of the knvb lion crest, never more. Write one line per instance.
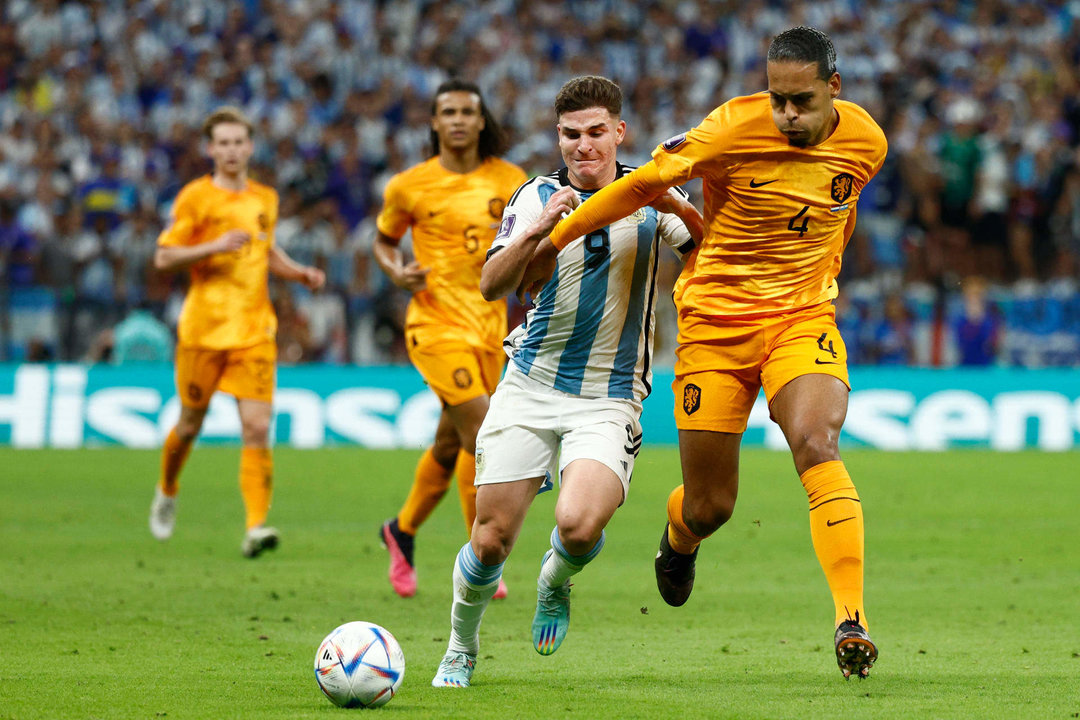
(842, 186)
(691, 398)
(496, 207)
(462, 378)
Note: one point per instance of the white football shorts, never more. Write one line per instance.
(529, 423)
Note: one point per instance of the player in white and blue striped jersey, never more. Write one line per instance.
(570, 402)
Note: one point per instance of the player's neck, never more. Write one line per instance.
(460, 161)
(230, 181)
(831, 128)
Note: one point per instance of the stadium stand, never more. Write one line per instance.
(100, 102)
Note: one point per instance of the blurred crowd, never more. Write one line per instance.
(967, 243)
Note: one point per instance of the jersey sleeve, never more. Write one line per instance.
(610, 203)
(394, 218)
(693, 153)
(522, 210)
(674, 232)
(182, 220)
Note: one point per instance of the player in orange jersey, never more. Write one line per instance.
(453, 203)
(222, 232)
(782, 173)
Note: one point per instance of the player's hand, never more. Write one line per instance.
(557, 207)
(313, 278)
(668, 201)
(537, 273)
(232, 240)
(412, 277)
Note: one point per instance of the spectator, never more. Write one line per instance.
(141, 337)
(976, 328)
(891, 342)
(980, 102)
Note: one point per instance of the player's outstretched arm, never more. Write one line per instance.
(611, 203)
(170, 258)
(283, 266)
(503, 271)
(407, 276)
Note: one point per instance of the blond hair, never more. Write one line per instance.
(227, 114)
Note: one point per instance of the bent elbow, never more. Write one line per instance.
(490, 293)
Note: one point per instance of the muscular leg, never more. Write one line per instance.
(500, 513)
(704, 502)
(466, 419)
(589, 495)
(432, 477)
(177, 446)
(811, 411)
(710, 470)
(256, 461)
(174, 454)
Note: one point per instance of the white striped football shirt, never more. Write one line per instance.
(591, 330)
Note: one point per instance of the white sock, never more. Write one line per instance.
(474, 586)
(560, 565)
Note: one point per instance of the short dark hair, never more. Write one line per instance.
(493, 141)
(589, 91)
(805, 44)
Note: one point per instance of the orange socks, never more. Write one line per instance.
(466, 476)
(173, 456)
(256, 483)
(836, 527)
(679, 536)
(429, 485)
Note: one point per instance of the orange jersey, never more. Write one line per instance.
(454, 218)
(778, 216)
(228, 302)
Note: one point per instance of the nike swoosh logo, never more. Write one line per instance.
(755, 184)
(830, 523)
(824, 362)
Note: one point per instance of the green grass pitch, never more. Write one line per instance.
(973, 590)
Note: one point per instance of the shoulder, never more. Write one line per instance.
(862, 130)
(861, 122)
(194, 192)
(264, 191)
(504, 168)
(533, 187)
(420, 172)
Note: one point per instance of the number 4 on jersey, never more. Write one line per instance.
(801, 229)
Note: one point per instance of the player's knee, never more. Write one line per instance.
(491, 543)
(814, 447)
(705, 517)
(578, 533)
(256, 433)
(187, 431)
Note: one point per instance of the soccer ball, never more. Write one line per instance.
(359, 664)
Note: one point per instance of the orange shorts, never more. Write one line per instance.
(455, 371)
(721, 364)
(245, 373)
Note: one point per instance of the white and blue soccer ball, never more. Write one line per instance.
(359, 664)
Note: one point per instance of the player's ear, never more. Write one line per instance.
(620, 132)
(834, 85)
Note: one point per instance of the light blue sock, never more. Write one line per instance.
(560, 565)
(474, 585)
